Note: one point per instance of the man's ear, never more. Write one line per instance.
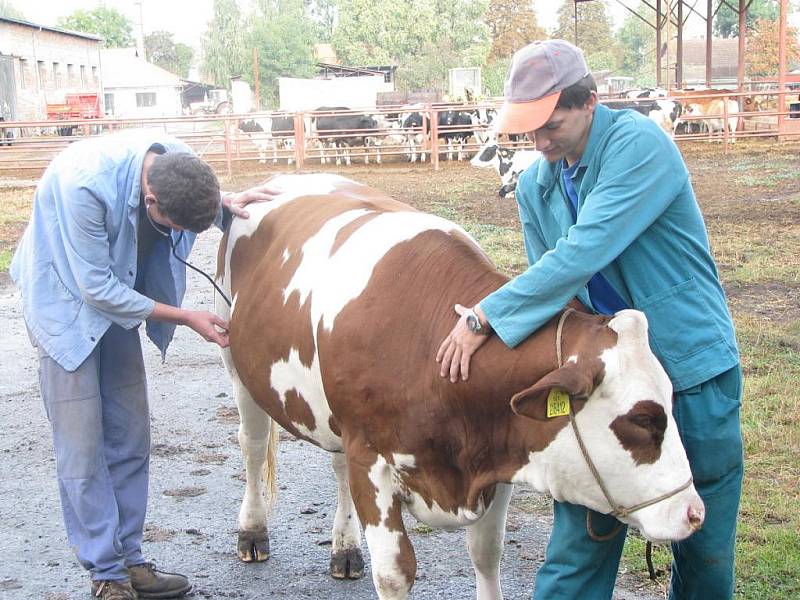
(577, 380)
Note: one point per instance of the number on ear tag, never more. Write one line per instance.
(557, 403)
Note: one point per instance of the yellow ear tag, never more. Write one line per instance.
(557, 403)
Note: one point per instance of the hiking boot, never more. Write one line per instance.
(113, 589)
(152, 583)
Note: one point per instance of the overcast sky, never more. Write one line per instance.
(188, 19)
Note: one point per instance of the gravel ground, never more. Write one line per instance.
(196, 486)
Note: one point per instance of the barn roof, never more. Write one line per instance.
(122, 68)
(88, 36)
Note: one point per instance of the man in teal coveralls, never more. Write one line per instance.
(609, 215)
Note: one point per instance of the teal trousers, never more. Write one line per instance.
(577, 567)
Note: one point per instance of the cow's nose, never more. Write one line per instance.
(696, 515)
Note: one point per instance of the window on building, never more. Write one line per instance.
(94, 76)
(57, 77)
(83, 75)
(70, 74)
(144, 99)
(23, 73)
(42, 73)
(108, 99)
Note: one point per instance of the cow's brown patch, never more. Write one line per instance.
(641, 431)
(298, 410)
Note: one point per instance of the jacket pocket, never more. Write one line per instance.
(680, 322)
(53, 306)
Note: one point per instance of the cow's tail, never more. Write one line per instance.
(270, 465)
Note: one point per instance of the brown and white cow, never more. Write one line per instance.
(341, 297)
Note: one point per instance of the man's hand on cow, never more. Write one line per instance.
(209, 326)
(458, 347)
(236, 201)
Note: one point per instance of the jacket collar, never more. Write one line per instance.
(601, 121)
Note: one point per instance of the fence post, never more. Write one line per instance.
(299, 141)
(228, 147)
(725, 124)
(433, 120)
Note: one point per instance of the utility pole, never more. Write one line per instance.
(139, 29)
(256, 79)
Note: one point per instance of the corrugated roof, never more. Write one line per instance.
(123, 69)
(90, 36)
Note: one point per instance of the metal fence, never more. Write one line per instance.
(26, 147)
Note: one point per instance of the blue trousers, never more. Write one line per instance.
(577, 567)
(101, 438)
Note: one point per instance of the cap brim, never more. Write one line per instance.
(522, 117)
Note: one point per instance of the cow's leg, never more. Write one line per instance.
(346, 559)
(379, 507)
(485, 544)
(254, 438)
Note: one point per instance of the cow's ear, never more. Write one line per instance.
(576, 380)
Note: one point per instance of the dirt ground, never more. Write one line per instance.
(196, 466)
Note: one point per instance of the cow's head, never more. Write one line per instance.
(622, 400)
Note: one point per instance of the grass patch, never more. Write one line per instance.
(15, 209)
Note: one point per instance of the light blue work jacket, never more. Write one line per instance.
(639, 224)
(76, 262)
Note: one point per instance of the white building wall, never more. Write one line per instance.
(310, 94)
(168, 102)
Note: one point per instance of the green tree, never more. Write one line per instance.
(9, 10)
(109, 23)
(163, 51)
(423, 38)
(222, 46)
(323, 14)
(595, 35)
(762, 48)
(637, 42)
(512, 25)
(726, 21)
(284, 35)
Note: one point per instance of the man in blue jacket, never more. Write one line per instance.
(609, 215)
(93, 264)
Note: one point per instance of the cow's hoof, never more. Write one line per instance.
(253, 546)
(347, 564)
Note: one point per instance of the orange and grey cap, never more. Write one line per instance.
(538, 74)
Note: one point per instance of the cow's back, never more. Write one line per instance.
(338, 295)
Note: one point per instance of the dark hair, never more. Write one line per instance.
(186, 190)
(578, 93)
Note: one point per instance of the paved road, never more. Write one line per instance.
(196, 490)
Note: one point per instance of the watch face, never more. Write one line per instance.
(473, 324)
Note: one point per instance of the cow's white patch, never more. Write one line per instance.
(337, 279)
(404, 461)
(384, 544)
(307, 381)
(286, 256)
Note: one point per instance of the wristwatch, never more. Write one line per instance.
(474, 324)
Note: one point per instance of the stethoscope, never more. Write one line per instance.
(167, 233)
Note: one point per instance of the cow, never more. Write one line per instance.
(340, 298)
(508, 162)
(712, 115)
(417, 131)
(343, 132)
(646, 93)
(455, 127)
(273, 134)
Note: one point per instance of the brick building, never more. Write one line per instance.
(39, 64)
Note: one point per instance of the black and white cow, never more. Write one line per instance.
(343, 132)
(455, 129)
(508, 162)
(273, 134)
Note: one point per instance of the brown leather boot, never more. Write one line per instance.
(116, 589)
(152, 583)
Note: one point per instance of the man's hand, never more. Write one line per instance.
(235, 202)
(209, 326)
(459, 346)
